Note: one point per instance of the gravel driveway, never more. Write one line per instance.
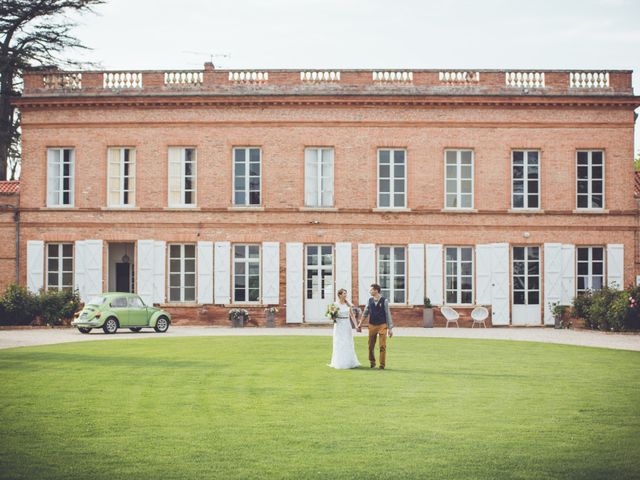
(49, 336)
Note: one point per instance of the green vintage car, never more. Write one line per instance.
(111, 311)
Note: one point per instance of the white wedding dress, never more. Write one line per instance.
(344, 353)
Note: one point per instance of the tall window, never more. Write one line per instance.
(525, 179)
(60, 164)
(392, 178)
(182, 272)
(392, 273)
(122, 177)
(59, 266)
(459, 275)
(526, 275)
(318, 177)
(246, 176)
(590, 177)
(590, 268)
(246, 273)
(459, 178)
(182, 177)
(319, 272)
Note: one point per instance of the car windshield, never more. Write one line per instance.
(96, 301)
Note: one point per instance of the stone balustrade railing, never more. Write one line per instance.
(482, 82)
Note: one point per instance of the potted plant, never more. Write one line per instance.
(271, 316)
(557, 311)
(427, 315)
(238, 317)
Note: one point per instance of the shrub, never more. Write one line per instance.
(581, 305)
(18, 306)
(57, 306)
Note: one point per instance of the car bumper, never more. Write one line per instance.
(86, 324)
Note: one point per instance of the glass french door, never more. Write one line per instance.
(318, 282)
(525, 286)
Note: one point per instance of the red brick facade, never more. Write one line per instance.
(356, 115)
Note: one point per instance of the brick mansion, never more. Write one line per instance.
(212, 189)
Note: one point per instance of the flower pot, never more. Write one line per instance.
(557, 321)
(238, 321)
(271, 320)
(427, 316)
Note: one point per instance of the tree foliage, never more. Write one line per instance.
(33, 33)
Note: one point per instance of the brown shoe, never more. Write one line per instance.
(381, 367)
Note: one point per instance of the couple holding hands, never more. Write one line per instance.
(380, 325)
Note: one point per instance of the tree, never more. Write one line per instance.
(33, 33)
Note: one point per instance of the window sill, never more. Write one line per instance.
(390, 210)
(59, 207)
(184, 208)
(245, 209)
(317, 209)
(596, 211)
(459, 210)
(525, 210)
(246, 305)
(120, 208)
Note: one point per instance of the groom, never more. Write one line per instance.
(379, 324)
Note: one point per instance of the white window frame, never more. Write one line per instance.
(458, 193)
(60, 191)
(525, 179)
(313, 173)
(319, 268)
(247, 177)
(590, 275)
(182, 177)
(131, 177)
(392, 272)
(183, 272)
(590, 179)
(458, 275)
(246, 260)
(525, 275)
(60, 271)
(392, 178)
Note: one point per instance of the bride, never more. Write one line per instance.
(344, 354)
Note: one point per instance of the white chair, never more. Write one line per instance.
(450, 315)
(479, 315)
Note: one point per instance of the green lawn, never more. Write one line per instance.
(238, 407)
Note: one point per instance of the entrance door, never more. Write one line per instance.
(319, 282)
(123, 277)
(526, 286)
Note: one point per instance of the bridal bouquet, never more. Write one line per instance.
(332, 311)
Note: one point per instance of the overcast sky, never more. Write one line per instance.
(502, 34)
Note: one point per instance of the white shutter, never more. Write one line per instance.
(366, 270)
(552, 279)
(222, 275)
(434, 274)
(271, 273)
(159, 269)
(615, 265)
(35, 265)
(205, 272)
(92, 259)
(343, 269)
(500, 284)
(568, 274)
(311, 177)
(144, 256)
(327, 177)
(175, 176)
(295, 282)
(483, 274)
(416, 274)
(79, 268)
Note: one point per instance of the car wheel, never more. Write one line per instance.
(162, 325)
(135, 329)
(110, 326)
(84, 330)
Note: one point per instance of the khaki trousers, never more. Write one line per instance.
(374, 332)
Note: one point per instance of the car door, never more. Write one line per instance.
(118, 305)
(138, 316)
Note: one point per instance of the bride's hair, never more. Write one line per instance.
(341, 291)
